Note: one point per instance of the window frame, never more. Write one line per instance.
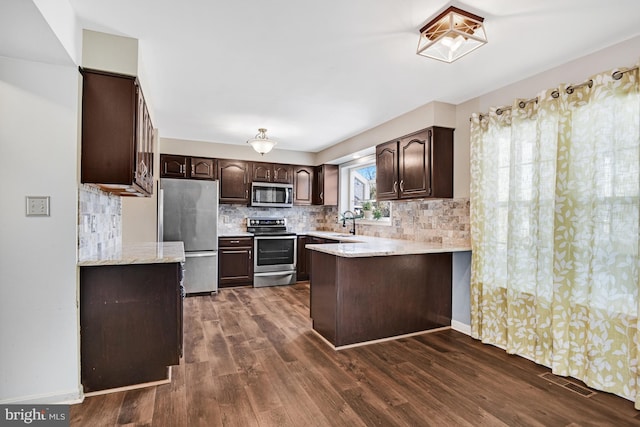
(345, 189)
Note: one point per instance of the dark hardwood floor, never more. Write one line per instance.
(251, 359)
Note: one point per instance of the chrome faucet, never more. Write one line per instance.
(353, 218)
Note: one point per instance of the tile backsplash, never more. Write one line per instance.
(99, 222)
(424, 220)
(232, 218)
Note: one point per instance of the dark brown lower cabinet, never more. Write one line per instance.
(304, 254)
(235, 255)
(304, 259)
(355, 300)
(130, 324)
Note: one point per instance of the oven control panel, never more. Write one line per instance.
(266, 222)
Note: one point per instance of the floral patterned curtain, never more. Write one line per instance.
(555, 212)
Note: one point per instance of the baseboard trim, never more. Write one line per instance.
(396, 337)
(63, 398)
(461, 327)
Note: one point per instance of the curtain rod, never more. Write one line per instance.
(616, 75)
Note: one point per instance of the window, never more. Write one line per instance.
(358, 191)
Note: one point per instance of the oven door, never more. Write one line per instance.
(274, 253)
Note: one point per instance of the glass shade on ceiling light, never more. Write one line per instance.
(451, 35)
(261, 143)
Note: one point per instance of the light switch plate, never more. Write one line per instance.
(38, 205)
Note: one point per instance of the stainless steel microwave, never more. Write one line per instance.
(271, 195)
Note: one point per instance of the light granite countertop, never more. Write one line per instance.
(367, 246)
(139, 253)
(236, 234)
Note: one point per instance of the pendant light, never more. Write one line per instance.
(261, 143)
(451, 35)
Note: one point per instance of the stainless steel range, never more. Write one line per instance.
(275, 252)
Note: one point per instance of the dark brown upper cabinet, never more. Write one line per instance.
(177, 166)
(387, 171)
(117, 134)
(303, 185)
(173, 166)
(325, 185)
(272, 172)
(202, 168)
(233, 176)
(418, 165)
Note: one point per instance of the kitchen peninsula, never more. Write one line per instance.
(366, 288)
(130, 315)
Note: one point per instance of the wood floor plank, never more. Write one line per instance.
(249, 301)
(300, 407)
(252, 359)
(325, 396)
(235, 409)
(229, 322)
(275, 336)
(202, 405)
(208, 312)
(262, 395)
(257, 386)
(194, 343)
(170, 408)
(423, 397)
(137, 407)
(276, 417)
(218, 353)
(99, 411)
(368, 412)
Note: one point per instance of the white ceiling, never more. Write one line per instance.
(315, 73)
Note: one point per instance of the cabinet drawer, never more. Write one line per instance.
(234, 242)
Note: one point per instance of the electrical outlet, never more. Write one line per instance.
(38, 205)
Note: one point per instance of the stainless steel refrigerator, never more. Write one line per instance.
(188, 212)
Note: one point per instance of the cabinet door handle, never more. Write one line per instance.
(249, 255)
(395, 186)
(246, 194)
(322, 195)
(234, 241)
(193, 170)
(402, 185)
(268, 175)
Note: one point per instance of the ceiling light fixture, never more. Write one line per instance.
(261, 143)
(451, 35)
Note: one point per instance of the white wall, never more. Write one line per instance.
(61, 18)
(109, 52)
(625, 54)
(39, 334)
